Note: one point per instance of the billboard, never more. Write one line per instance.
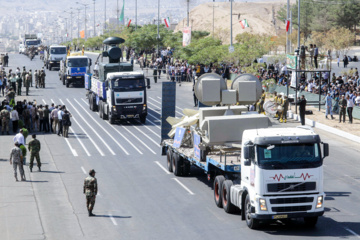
(186, 36)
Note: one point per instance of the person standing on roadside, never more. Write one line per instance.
(54, 116)
(66, 123)
(16, 159)
(328, 105)
(46, 119)
(34, 147)
(90, 190)
(316, 54)
(60, 118)
(51, 118)
(302, 108)
(350, 107)
(19, 84)
(343, 105)
(36, 78)
(15, 119)
(19, 138)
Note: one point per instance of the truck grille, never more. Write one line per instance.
(277, 187)
(291, 209)
(291, 200)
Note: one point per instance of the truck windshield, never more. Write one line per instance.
(128, 84)
(58, 51)
(289, 156)
(77, 62)
(32, 42)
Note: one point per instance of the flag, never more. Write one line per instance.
(167, 22)
(129, 23)
(82, 34)
(244, 23)
(122, 12)
(287, 25)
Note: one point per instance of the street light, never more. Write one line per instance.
(94, 19)
(105, 16)
(85, 6)
(188, 12)
(135, 14)
(78, 9)
(71, 19)
(158, 22)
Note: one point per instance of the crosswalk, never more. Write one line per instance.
(90, 135)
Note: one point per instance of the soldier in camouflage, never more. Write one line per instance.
(5, 118)
(90, 190)
(27, 82)
(16, 159)
(34, 147)
(36, 78)
(42, 78)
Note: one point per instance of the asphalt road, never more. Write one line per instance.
(138, 198)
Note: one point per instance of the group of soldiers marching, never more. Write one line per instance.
(25, 78)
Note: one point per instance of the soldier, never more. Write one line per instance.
(23, 74)
(90, 190)
(19, 84)
(36, 78)
(284, 106)
(16, 159)
(34, 147)
(261, 103)
(5, 118)
(42, 78)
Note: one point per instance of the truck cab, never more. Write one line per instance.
(281, 175)
(53, 55)
(21, 49)
(73, 70)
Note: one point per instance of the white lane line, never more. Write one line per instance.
(152, 123)
(145, 134)
(122, 148)
(161, 103)
(153, 115)
(85, 102)
(81, 143)
(72, 150)
(113, 220)
(159, 97)
(139, 140)
(158, 135)
(177, 180)
(83, 169)
(162, 167)
(44, 101)
(351, 178)
(160, 107)
(352, 232)
(52, 101)
(112, 152)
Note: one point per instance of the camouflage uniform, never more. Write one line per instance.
(23, 74)
(90, 190)
(27, 83)
(42, 78)
(285, 106)
(16, 158)
(5, 117)
(34, 147)
(10, 95)
(36, 77)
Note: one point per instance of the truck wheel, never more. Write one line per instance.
(169, 160)
(67, 83)
(63, 80)
(90, 101)
(176, 166)
(101, 110)
(218, 183)
(186, 168)
(250, 222)
(226, 199)
(93, 103)
(310, 221)
(143, 119)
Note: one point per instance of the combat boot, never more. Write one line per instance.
(91, 214)
(16, 178)
(284, 120)
(281, 120)
(39, 169)
(30, 169)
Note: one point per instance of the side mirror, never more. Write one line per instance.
(90, 62)
(148, 83)
(326, 149)
(248, 151)
(247, 162)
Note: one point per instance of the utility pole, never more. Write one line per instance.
(66, 29)
(105, 17)
(85, 6)
(231, 33)
(78, 22)
(213, 19)
(71, 22)
(117, 13)
(287, 33)
(135, 15)
(94, 19)
(299, 25)
(188, 12)
(158, 32)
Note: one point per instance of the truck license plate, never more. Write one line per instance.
(279, 216)
(130, 116)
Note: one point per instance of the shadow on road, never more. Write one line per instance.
(52, 171)
(36, 181)
(109, 216)
(331, 195)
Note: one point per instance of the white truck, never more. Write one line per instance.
(53, 55)
(21, 48)
(73, 70)
(266, 173)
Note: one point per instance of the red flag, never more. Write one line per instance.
(166, 22)
(129, 23)
(287, 25)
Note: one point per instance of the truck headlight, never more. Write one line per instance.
(144, 107)
(114, 108)
(320, 201)
(262, 203)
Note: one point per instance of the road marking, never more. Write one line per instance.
(72, 150)
(52, 101)
(101, 127)
(83, 169)
(112, 152)
(161, 103)
(85, 102)
(139, 140)
(44, 101)
(113, 220)
(144, 134)
(160, 107)
(352, 232)
(158, 135)
(177, 180)
(85, 149)
(153, 123)
(351, 178)
(162, 167)
(159, 97)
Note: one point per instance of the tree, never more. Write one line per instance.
(346, 13)
(339, 39)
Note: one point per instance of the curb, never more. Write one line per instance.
(324, 127)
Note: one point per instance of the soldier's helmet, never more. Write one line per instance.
(91, 171)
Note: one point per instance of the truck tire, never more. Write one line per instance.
(94, 106)
(250, 222)
(310, 221)
(63, 80)
(104, 115)
(186, 168)
(218, 182)
(143, 119)
(169, 160)
(226, 199)
(67, 83)
(176, 166)
(90, 101)
(101, 114)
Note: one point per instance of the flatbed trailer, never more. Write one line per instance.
(220, 160)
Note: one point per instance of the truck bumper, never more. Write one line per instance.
(76, 80)
(54, 63)
(286, 215)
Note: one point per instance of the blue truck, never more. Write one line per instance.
(73, 70)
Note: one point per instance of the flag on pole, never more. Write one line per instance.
(287, 25)
(244, 23)
(167, 22)
(121, 18)
(129, 23)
